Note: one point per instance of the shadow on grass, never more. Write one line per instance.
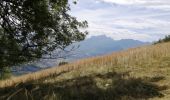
(122, 87)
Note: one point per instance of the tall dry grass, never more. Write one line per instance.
(127, 59)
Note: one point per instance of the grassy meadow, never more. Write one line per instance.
(141, 73)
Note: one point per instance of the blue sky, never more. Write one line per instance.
(144, 20)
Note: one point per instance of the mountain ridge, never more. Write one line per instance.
(100, 45)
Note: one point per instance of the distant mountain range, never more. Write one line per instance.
(94, 46)
(100, 45)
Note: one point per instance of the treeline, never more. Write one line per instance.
(166, 39)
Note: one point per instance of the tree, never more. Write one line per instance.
(166, 39)
(30, 29)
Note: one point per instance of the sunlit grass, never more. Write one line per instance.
(147, 67)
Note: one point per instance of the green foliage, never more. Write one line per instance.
(5, 73)
(32, 28)
(166, 39)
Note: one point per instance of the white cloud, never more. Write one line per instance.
(122, 22)
(139, 2)
(123, 1)
(156, 4)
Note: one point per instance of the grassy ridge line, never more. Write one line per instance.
(34, 76)
(43, 74)
(127, 57)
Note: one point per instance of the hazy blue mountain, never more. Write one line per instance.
(19, 70)
(100, 45)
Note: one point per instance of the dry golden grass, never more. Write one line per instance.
(142, 62)
(128, 58)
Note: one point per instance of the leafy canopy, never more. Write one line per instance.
(32, 28)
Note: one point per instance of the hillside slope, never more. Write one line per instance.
(136, 74)
(93, 46)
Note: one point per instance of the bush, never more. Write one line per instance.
(62, 63)
(5, 73)
(166, 39)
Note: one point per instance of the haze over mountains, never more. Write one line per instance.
(100, 45)
(94, 46)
